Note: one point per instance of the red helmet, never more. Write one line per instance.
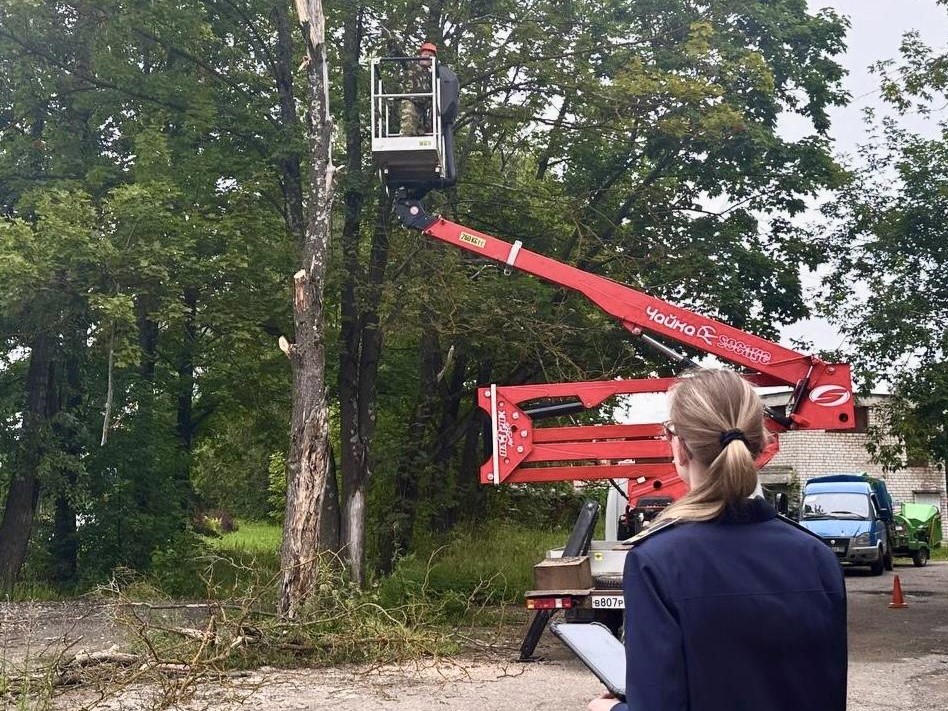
(428, 47)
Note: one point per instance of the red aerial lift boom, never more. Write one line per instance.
(521, 452)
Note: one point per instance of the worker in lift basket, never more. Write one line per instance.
(416, 113)
(728, 605)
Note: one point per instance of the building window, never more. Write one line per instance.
(932, 498)
(862, 420)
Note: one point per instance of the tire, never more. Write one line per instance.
(887, 559)
(878, 567)
(920, 557)
(608, 582)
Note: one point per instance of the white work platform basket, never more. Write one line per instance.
(405, 91)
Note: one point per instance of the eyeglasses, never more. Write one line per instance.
(668, 430)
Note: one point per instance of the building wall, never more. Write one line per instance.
(815, 453)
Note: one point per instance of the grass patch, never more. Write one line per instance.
(474, 566)
(254, 537)
(37, 591)
(471, 566)
(246, 558)
(940, 553)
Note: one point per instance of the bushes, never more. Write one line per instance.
(542, 506)
(176, 568)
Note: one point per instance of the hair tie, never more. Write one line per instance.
(727, 437)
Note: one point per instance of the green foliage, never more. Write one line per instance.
(542, 506)
(177, 566)
(137, 503)
(276, 487)
(138, 231)
(887, 290)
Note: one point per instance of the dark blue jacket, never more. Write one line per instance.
(744, 613)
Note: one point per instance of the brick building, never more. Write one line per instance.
(805, 454)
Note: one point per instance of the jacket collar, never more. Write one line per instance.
(752, 510)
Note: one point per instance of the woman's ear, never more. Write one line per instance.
(681, 461)
(679, 452)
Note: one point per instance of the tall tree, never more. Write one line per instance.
(889, 243)
(309, 460)
(156, 121)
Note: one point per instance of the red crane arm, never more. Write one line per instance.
(822, 397)
(828, 402)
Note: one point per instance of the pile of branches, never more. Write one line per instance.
(174, 646)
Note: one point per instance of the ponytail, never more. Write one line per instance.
(719, 419)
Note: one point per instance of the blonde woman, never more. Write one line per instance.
(729, 606)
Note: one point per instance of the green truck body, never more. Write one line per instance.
(917, 529)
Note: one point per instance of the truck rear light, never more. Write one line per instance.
(549, 603)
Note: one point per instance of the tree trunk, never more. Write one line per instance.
(23, 495)
(415, 461)
(445, 441)
(309, 457)
(329, 514)
(472, 495)
(354, 454)
(65, 542)
(186, 423)
(185, 413)
(370, 337)
(291, 180)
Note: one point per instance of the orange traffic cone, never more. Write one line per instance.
(898, 601)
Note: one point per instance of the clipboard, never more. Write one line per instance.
(598, 649)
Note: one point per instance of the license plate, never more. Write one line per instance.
(839, 549)
(608, 602)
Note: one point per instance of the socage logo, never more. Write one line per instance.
(671, 321)
(504, 434)
(830, 395)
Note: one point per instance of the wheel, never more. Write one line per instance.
(920, 558)
(878, 567)
(887, 559)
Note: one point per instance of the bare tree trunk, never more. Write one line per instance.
(23, 494)
(308, 463)
(292, 184)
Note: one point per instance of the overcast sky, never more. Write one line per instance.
(875, 33)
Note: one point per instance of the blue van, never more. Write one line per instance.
(853, 514)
